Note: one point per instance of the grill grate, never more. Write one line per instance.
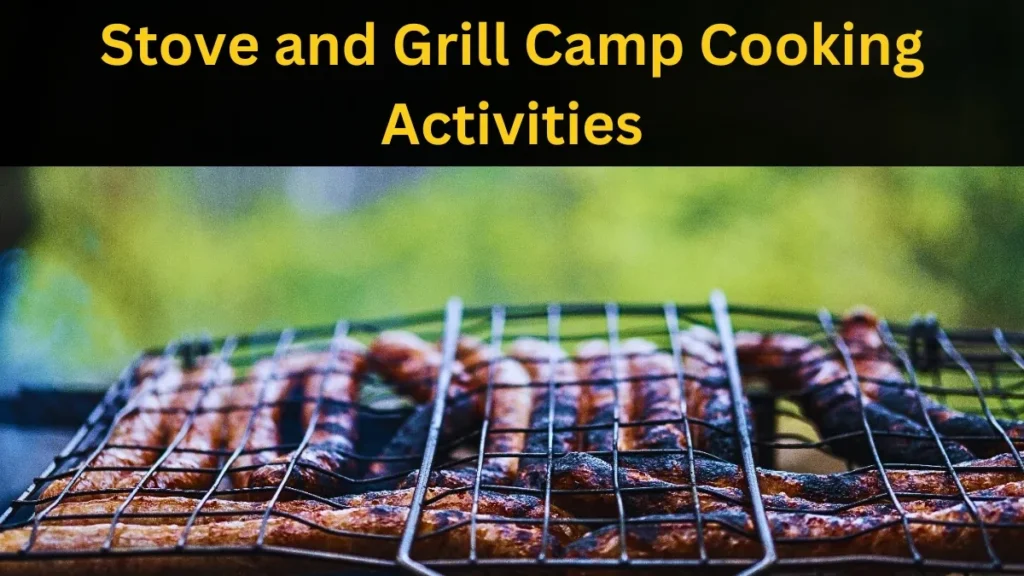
(975, 370)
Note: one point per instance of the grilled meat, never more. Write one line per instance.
(135, 439)
(201, 397)
(489, 503)
(170, 510)
(510, 409)
(707, 391)
(882, 381)
(831, 398)
(413, 366)
(332, 394)
(557, 407)
(442, 534)
(582, 471)
(255, 416)
(660, 397)
(731, 534)
(608, 393)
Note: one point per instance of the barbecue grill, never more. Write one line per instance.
(974, 370)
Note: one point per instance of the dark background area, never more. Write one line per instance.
(963, 110)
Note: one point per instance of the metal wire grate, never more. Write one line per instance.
(977, 371)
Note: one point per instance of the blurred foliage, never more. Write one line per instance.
(129, 258)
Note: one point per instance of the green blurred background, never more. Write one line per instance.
(122, 259)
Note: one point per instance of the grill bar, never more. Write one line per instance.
(452, 329)
(723, 322)
(554, 316)
(672, 325)
(497, 331)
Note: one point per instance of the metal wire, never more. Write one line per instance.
(723, 322)
(917, 348)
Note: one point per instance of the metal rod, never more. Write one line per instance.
(554, 319)
(720, 311)
(452, 328)
(497, 330)
(672, 324)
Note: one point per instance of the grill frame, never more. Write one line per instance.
(927, 349)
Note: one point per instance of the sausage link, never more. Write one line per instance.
(608, 392)
(442, 534)
(832, 400)
(659, 398)
(202, 395)
(275, 383)
(335, 380)
(510, 409)
(882, 381)
(536, 356)
(412, 365)
(731, 534)
(139, 433)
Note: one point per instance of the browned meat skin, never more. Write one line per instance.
(275, 383)
(181, 508)
(489, 504)
(707, 392)
(607, 390)
(176, 510)
(413, 366)
(536, 356)
(882, 380)
(830, 398)
(335, 380)
(141, 427)
(581, 471)
(510, 409)
(836, 536)
(659, 397)
(442, 534)
(203, 393)
(410, 363)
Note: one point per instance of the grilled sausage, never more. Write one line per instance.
(139, 434)
(489, 503)
(171, 510)
(660, 397)
(510, 409)
(413, 366)
(409, 363)
(558, 407)
(707, 391)
(201, 397)
(730, 534)
(271, 383)
(333, 385)
(165, 510)
(832, 400)
(607, 392)
(442, 534)
(582, 471)
(882, 381)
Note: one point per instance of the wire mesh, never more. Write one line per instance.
(738, 472)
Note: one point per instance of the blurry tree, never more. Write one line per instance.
(135, 257)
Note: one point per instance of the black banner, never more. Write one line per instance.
(654, 83)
